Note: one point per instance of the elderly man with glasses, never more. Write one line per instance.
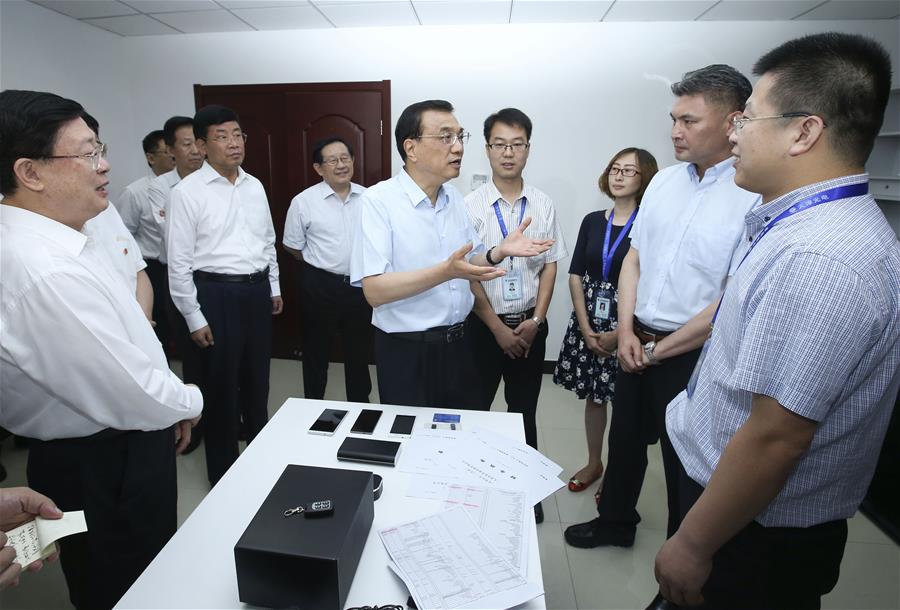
(414, 255)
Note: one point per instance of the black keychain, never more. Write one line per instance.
(319, 508)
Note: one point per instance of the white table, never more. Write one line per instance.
(196, 568)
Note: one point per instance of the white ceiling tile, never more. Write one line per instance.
(558, 11)
(203, 21)
(445, 12)
(758, 10)
(368, 14)
(283, 18)
(86, 9)
(132, 25)
(657, 10)
(172, 6)
(855, 9)
(231, 4)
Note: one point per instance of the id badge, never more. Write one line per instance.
(512, 286)
(604, 302)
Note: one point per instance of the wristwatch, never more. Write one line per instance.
(537, 320)
(649, 348)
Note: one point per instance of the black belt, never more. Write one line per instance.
(243, 278)
(514, 319)
(438, 334)
(337, 276)
(646, 334)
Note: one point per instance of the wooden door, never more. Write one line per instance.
(283, 122)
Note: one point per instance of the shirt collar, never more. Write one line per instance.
(417, 195)
(325, 191)
(722, 169)
(71, 240)
(762, 213)
(209, 174)
(494, 193)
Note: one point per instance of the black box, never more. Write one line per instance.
(305, 561)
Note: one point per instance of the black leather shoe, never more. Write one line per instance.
(594, 533)
(661, 603)
(538, 513)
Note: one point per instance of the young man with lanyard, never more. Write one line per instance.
(682, 242)
(780, 429)
(509, 328)
(414, 254)
(318, 232)
(223, 277)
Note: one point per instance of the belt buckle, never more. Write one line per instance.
(457, 331)
(513, 319)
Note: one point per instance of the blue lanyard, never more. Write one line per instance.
(834, 194)
(503, 229)
(607, 253)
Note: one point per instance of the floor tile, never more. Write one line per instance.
(559, 591)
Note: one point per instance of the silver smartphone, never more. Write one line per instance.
(327, 422)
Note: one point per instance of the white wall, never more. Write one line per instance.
(591, 89)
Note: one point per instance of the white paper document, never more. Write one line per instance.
(34, 540)
(447, 562)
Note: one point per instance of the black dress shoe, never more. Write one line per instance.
(594, 533)
(661, 603)
(538, 513)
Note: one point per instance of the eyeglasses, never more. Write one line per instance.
(227, 139)
(628, 172)
(345, 159)
(738, 122)
(516, 147)
(94, 156)
(449, 139)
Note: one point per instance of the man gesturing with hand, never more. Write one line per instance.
(414, 255)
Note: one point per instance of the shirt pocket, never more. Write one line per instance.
(709, 250)
(536, 262)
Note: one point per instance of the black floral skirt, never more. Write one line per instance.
(578, 368)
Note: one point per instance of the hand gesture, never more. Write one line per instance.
(592, 342)
(681, 572)
(511, 344)
(516, 244)
(631, 354)
(19, 505)
(203, 337)
(183, 433)
(459, 268)
(527, 330)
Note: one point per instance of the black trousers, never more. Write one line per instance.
(771, 568)
(332, 307)
(521, 376)
(158, 274)
(126, 484)
(426, 373)
(638, 420)
(235, 369)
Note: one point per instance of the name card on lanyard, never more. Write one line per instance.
(512, 281)
(833, 194)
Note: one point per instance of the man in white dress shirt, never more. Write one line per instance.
(682, 243)
(414, 255)
(318, 232)
(223, 277)
(509, 328)
(81, 371)
(133, 206)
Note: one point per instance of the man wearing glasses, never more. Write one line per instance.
(223, 277)
(509, 330)
(780, 429)
(682, 244)
(318, 232)
(82, 371)
(414, 255)
(133, 206)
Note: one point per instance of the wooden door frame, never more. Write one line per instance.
(383, 87)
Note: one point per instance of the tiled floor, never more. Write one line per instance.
(573, 578)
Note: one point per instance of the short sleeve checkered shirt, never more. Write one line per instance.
(812, 319)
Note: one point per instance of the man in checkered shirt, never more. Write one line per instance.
(780, 429)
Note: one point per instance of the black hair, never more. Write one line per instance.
(843, 78)
(211, 115)
(29, 127)
(173, 125)
(409, 125)
(321, 144)
(508, 116)
(718, 84)
(151, 140)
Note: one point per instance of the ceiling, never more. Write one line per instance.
(155, 17)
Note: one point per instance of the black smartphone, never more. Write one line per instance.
(403, 425)
(327, 422)
(366, 422)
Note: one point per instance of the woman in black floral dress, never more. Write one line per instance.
(587, 364)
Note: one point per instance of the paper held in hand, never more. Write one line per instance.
(34, 540)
